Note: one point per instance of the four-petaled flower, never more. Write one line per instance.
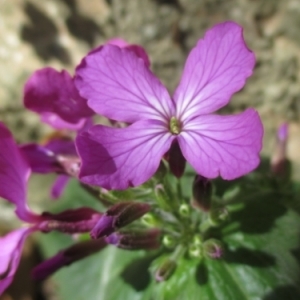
(121, 87)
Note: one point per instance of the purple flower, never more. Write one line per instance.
(14, 174)
(54, 96)
(121, 87)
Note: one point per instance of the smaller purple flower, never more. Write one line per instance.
(118, 85)
(14, 174)
(53, 95)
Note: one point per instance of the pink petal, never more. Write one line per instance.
(50, 92)
(59, 186)
(118, 158)
(14, 174)
(46, 158)
(228, 146)
(11, 247)
(138, 50)
(56, 122)
(215, 69)
(118, 42)
(41, 159)
(119, 86)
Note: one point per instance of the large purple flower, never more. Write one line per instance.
(121, 87)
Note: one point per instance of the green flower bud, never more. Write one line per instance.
(165, 270)
(184, 210)
(169, 241)
(218, 215)
(195, 251)
(150, 220)
(212, 248)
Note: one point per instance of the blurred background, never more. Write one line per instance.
(58, 33)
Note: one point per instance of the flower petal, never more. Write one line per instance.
(228, 146)
(138, 50)
(45, 159)
(119, 86)
(215, 69)
(49, 91)
(56, 122)
(41, 159)
(118, 158)
(11, 247)
(59, 186)
(14, 174)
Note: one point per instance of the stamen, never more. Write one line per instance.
(174, 126)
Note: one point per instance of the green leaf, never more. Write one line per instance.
(109, 274)
(261, 259)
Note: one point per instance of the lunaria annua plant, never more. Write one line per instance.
(177, 217)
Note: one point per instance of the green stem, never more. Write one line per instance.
(178, 253)
(205, 225)
(179, 191)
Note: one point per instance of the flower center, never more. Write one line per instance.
(174, 126)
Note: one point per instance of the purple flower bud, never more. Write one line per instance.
(104, 227)
(67, 257)
(202, 192)
(70, 221)
(176, 160)
(278, 160)
(135, 240)
(118, 216)
(212, 248)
